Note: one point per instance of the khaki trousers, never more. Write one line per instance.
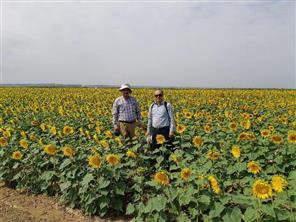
(127, 129)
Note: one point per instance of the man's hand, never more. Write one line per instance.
(116, 128)
(171, 134)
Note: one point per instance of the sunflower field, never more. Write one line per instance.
(234, 153)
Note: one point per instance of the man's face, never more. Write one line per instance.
(158, 96)
(125, 92)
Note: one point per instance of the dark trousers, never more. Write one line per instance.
(161, 131)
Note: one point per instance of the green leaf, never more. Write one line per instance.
(103, 183)
(64, 186)
(157, 203)
(250, 214)
(130, 209)
(218, 209)
(267, 209)
(204, 199)
(47, 175)
(86, 179)
(234, 216)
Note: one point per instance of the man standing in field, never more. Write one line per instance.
(161, 120)
(126, 113)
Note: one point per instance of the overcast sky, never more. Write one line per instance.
(208, 44)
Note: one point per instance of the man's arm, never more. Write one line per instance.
(138, 111)
(172, 119)
(149, 124)
(115, 113)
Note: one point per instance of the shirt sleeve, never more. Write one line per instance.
(172, 118)
(149, 124)
(115, 113)
(138, 111)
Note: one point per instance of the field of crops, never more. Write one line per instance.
(234, 157)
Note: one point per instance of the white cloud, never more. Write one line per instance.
(206, 44)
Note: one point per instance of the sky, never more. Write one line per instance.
(229, 44)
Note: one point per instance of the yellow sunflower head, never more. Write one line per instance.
(253, 167)
(180, 128)
(162, 178)
(16, 155)
(265, 133)
(185, 173)
(104, 144)
(24, 143)
(197, 141)
(262, 189)
(279, 183)
(3, 142)
(131, 154)
(292, 136)
(160, 139)
(68, 151)
(277, 139)
(50, 149)
(94, 161)
(213, 155)
(235, 151)
(112, 159)
(67, 130)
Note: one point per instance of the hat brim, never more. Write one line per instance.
(125, 88)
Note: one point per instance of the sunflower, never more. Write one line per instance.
(23, 134)
(161, 178)
(271, 128)
(108, 133)
(3, 142)
(118, 141)
(104, 144)
(208, 128)
(144, 114)
(292, 136)
(185, 173)
(131, 154)
(214, 184)
(246, 124)
(112, 159)
(197, 141)
(43, 127)
(253, 167)
(279, 183)
(94, 161)
(16, 155)
(262, 189)
(24, 143)
(187, 115)
(235, 151)
(277, 139)
(68, 151)
(232, 126)
(243, 136)
(98, 130)
(174, 158)
(53, 130)
(250, 136)
(181, 128)
(160, 139)
(213, 155)
(50, 149)
(265, 133)
(67, 130)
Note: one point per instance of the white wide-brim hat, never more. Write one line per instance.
(125, 86)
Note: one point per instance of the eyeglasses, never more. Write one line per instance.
(158, 95)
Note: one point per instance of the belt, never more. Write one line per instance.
(159, 128)
(127, 121)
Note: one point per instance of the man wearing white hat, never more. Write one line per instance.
(126, 112)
